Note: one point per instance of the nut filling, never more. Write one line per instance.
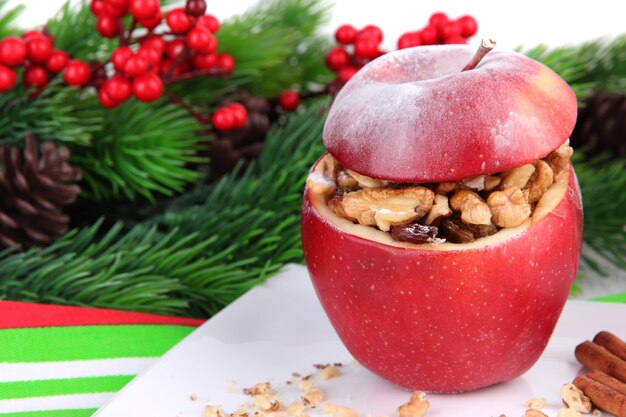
(457, 212)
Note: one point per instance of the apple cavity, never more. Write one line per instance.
(449, 317)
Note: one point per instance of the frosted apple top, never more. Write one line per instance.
(412, 116)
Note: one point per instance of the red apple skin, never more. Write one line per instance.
(413, 115)
(446, 321)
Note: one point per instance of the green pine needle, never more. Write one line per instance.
(8, 18)
(140, 150)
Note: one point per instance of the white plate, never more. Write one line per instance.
(279, 328)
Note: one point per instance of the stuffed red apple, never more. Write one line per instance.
(442, 230)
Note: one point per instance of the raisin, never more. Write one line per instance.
(483, 230)
(414, 233)
(455, 230)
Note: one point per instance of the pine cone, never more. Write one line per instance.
(601, 125)
(33, 191)
(244, 144)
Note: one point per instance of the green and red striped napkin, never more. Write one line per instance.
(58, 361)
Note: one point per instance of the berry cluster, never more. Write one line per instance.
(365, 45)
(34, 51)
(188, 50)
(440, 30)
(230, 117)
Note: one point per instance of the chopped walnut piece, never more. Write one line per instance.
(242, 412)
(536, 403)
(311, 394)
(214, 411)
(540, 181)
(575, 399)
(509, 207)
(416, 407)
(329, 372)
(345, 180)
(517, 177)
(491, 182)
(329, 408)
(439, 211)
(365, 181)
(384, 207)
(473, 209)
(343, 411)
(597, 413)
(475, 183)
(259, 389)
(295, 408)
(193, 397)
(568, 412)
(559, 159)
(265, 403)
(322, 179)
(531, 412)
(444, 188)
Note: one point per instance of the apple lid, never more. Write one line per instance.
(414, 116)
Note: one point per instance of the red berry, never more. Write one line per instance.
(150, 54)
(135, 66)
(289, 100)
(240, 114)
(7, 78)
(175, 48)
(12, 51)
(204, 61)
(118, 88)
(147, 87)
(153, 22)
(372, 31)
(144, 9)
(108, 26)
(226, 63)
(77, 73)
(32, 34)
(57, 61)
(35, 77)
(195, 7)
(437, 18)
(366, 48)
(346, 73)
(118, 4)
(456, 40)
(39, 49)
(155, 42)
(449, 30)
(111, 10)
(96, 6)
(429, 35)
(223, 119)
(468, 24)
(336, 59)
(178, 21)
(210, 22)
(105, 100)
(346, 34)
(409, 40)
(120, 56)
(202, 40)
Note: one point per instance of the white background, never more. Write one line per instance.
(512, 23)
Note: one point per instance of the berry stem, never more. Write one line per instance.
(125, 39)
(201, 118)
(168, 79)
(486, 45)
(179, 60)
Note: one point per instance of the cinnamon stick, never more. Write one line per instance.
(607, 380)
(612, 343)
(601, 396)
(594, 356)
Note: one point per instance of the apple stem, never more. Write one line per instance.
(485, 46)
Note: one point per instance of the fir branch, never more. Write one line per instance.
(8, 18)
(140, 151)
(602, 182)
(59, 114)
